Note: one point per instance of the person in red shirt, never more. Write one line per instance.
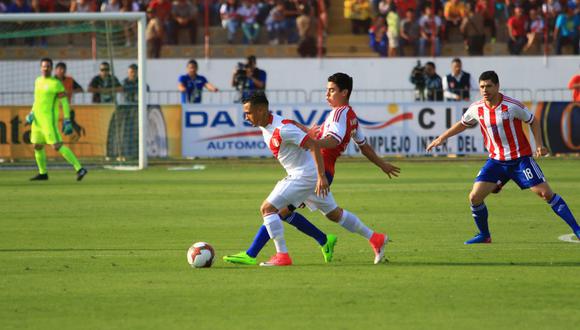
(162, 10)
(517, 27)
(574, 85)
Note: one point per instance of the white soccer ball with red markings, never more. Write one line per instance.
(200, 255)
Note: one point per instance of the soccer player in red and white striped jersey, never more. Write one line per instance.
(500, 119)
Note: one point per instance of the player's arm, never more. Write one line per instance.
(322, 186)
(327, 142)
(77, 88)
(457, 128)
(390, 169)
(540, 149)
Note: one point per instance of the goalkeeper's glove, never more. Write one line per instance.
(29, 118)
(67, 128)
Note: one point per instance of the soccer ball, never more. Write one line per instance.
(200, 255)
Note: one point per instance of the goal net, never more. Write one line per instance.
(104, 60)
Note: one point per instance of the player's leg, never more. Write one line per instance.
(70, 157)
(485, 183)
(37, 139)
(273, 224)
(530, 175)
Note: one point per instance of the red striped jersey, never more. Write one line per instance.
(286, 142)
(501, 127)
(341, 124)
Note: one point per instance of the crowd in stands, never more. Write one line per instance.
(415, 27)
(246, 21)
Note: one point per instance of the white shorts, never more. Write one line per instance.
(292, 191)
(324, 204)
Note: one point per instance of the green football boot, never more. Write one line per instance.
(241, 258)
(328, 247)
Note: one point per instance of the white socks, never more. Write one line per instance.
(353, 224)
(275, 229)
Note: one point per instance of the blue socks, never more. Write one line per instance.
(561, 209)
(299, 221)
(479, 214)
(295, 219)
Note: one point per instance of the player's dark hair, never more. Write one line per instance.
(257, 98)
(193, 62)
(105, 63)
(60, 65)
(456, 60)
(46, 59)
(252, 59)
(489, 75)
(343, 81)
(431, 64)
(133, 66)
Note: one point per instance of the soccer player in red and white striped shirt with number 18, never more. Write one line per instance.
(510, 156)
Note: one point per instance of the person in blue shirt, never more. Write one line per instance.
(191, 84)
(248, 78)
(567, 28)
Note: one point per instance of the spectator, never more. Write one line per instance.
(62, 6)
(128, 6)
(410, 33)
(566, 30)
(404, 5)
(163, 12)
(131, 85)
(41, 6)
(249, 78)
(430, 26)
(191, 84)
(250, 27)
(71, 86)
(384, 6)
(291, 13)
(83, 6)
(307, 24)
(458, 84)
(154, 34)
(2, 7)
(275, 24)
(454, 11)
(487, 9)
(517, 26)
(574, 85)
(536, 30)
(104, 86)
(378, 39)
(393, 29)
(183, 17)
(472, 28)
(551, 9)
(433, 83)
(360, 16)
(19, 7)
(111, 6)
(229, 18)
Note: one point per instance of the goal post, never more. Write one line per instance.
(28, 27)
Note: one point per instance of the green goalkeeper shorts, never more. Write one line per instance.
(45, 132)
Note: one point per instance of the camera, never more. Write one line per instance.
(240, 76)
(418, 79)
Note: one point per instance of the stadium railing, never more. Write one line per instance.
(553, 94)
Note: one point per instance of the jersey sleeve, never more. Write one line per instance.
(337, 127)
(359, 137)
(290, 133)
(522, 113)
(469, 118)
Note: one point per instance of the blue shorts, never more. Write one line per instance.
(524, 171)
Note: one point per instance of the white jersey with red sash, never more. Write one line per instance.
(501, 127)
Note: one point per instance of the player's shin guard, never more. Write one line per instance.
(40, 157)
(561, 209)
(275, 229)
(70, 157)
(262, 237)
(479, 213)
(301, 223)
(353, 224)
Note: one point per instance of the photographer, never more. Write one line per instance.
(428, 84)
(248, 79)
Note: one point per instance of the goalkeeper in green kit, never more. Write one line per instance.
(49, 93)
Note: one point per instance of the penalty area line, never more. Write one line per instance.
(570, 238)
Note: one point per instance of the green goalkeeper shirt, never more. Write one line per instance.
(47, 94)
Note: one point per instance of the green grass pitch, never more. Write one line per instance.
(110, 252)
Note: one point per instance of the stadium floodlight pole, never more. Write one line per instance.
(141, 20)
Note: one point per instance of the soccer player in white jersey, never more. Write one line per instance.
(510, 155)
(305, 170)
(333, 138)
